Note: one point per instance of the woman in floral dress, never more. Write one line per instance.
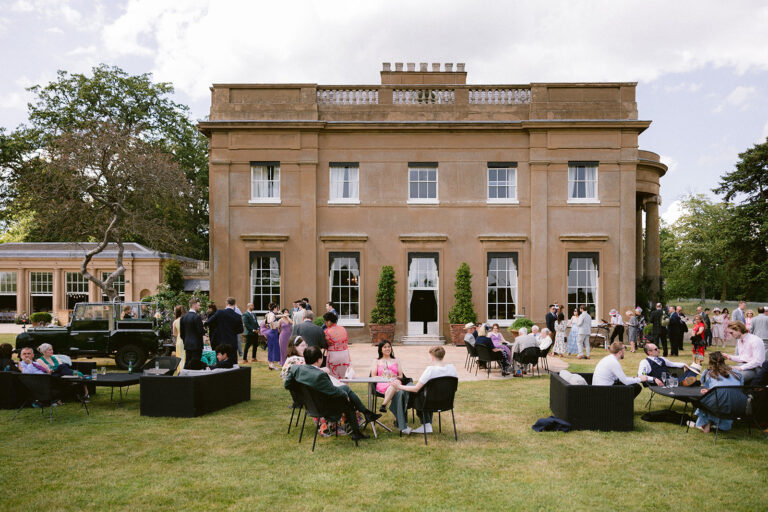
(560, 325)
(338, 351)
(284, 328)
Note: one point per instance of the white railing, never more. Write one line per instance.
(422, 96)
(348, 96)
(499, 96)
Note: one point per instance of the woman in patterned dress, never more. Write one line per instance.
(717, 327)
(338, 351)
(560, 325)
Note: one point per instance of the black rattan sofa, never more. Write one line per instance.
(589, 407)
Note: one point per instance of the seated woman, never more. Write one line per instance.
(294, 355)
(498, 340)
(719, 374)
(56, 367)
(438, 368)
(483, 339)
(388, 367)
(7, 364)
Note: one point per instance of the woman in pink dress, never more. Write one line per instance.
(338, 351)
(284, 328)
(499, 342)
(388, 367)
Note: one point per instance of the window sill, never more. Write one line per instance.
(502, 201)
(423, 201)
(502, 323)
(265, 200)
(350, 323)
(336, 202)
(583, 201)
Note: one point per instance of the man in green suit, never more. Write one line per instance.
(312, 376)
(251, 327)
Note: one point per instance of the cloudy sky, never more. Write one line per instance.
(702, 66)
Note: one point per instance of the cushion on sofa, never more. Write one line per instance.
(574, 379)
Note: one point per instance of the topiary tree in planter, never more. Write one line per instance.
(40, 318)
(463, 310)
(383, 314)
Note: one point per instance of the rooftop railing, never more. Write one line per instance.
(423, 95)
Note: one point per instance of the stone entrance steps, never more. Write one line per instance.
(424, 340)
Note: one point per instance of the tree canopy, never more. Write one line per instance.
(102, 108)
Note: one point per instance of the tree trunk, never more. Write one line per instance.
(108, 285)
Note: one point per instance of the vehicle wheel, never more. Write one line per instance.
(128, 353)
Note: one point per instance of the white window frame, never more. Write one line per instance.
(119, 285)
(348, 321)
(35, 284)
(8, 283)
(263, 167)
(354, 186)
(577, 286)
(255, 273)
(510, 168)
(78, 282)
(424, 200)
(572, 166)
(513, 255)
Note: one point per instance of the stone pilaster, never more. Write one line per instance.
(652, 246)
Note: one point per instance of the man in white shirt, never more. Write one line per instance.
(609, 370)
(760, 326)
(584, 323)
(654, 365)
(435, 370)
(750, 348)
(545, 340)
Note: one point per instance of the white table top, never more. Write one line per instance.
(376, 380)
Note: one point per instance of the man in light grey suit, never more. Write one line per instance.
(585, 329)
(738, 313)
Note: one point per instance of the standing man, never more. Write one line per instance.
(330, 309)
(656, 318)
(738, 313)
(250, 326)
(584, 324)
(760, 326)
(298, 316)
(551, 318)
(708, 323)
(312, 334)
(675, 330)
(307, 305)
(618, 327)
(191, 332)
(229, 324)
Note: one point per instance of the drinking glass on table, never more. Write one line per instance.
(94, 374)
(665, 379)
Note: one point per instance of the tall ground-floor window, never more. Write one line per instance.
(77, 289)
(7, 292)
(265, 280)
(41, 291)
(502, 286)
(119, 285)
(583, 273)
(345, 284)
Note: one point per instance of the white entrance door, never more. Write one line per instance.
(423, 288)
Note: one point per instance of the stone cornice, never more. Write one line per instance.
(584, 237)
(264, 238)
(423, 237)
(502, 237)
(344, 238)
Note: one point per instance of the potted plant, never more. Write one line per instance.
(40, 319)
(519, 323)
(383, 315)
(463, 311)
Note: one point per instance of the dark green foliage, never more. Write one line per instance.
(173, 275)
(167, 299)
(521, 322)
(40, 317)
(463, 310)
(318, 321)
(384, 312)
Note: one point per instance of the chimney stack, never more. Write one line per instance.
(386, 66)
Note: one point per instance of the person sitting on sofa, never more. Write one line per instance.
(312, 376)
(750, 351)
(224, 353)
(28, 365)
(654, 365)
(7, 364)
(608, 371)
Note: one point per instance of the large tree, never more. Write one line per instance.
(122, 105)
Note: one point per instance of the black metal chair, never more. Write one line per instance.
(487, 356)
(728, 403)
(45, 390)
(471, 358)
(297, 397)
(436, 397)
(318, 405)
(169, 363)
(529, 356)
(543, 356)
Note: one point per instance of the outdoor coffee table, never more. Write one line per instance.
(369, 381)
(687, 395)
(117, 380)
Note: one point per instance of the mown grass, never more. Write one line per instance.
(241, 459)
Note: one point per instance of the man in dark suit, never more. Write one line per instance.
(229, 324)
(191, 332)
(656, 334)
(312, 334)
(312, 376)
(251, 327)
(675, 329)
(550, 320)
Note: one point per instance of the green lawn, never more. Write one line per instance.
(241, 459)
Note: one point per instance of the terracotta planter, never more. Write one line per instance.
(457, 334)
(514, 333)
(382, 332)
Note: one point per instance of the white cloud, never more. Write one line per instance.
(672, 212)
(197, 44)
(670, 162)
(683, 87)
